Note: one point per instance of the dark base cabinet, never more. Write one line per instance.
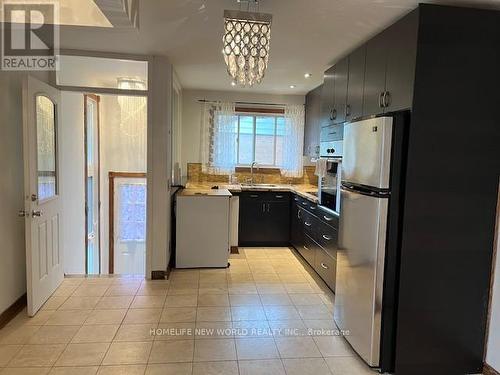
(296, 227)
(264, 219)
(314, 239)
(308, 250)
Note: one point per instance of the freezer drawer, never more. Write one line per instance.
(367, 152)
(360, 272)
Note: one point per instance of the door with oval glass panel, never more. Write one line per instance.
(43, 203)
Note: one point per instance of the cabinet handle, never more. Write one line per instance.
(312, 207)
(327, 218)
(328, 238)
(254, 196)
(298, 214)
(334, 114)
(296, 199)
(331, 114)
(305, 247)
(380, 102)
(347, 110)
(387, 99)
(279, 196)
(324, 266)
(332, 133)
(263, 207)
(268, 207)
(304, 203)
(307, 224)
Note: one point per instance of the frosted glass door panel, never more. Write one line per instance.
(130, 226)
(46, 147)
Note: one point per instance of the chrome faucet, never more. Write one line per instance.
(254, 164)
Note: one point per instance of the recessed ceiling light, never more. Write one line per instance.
(233, 83)
(307, 75)
(292, 86)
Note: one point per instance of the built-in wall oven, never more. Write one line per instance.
(331, 141)
(331, 151)
(329, 185)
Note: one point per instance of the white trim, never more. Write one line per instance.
(176, 139)
(104, 54)
(103, 90)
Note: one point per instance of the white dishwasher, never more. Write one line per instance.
(202, 228)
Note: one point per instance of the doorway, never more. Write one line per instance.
(92, 184)
(115, 147)
(127, 223)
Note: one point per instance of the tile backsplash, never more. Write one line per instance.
(262, 175)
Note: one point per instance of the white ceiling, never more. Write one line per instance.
(306, 36)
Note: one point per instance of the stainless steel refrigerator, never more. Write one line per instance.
(371, 169)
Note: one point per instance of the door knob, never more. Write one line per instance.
(23, 213)
(36, 213)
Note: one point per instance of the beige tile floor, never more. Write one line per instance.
(268, 313)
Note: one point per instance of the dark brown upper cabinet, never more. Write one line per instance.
(390, 68)
(401, 52)
(340, 97)
(356, 80)
(374, 86)
(327, 98)
(312, 124)
(376, 78)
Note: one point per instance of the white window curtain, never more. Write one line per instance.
(293, 141)
(219, 127)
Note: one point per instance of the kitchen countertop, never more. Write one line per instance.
(205, 192)
(302, 190)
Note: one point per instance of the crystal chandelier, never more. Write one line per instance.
(246, 45)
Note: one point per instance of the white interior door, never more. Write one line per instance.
(43, 203)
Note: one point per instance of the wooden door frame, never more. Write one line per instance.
(97, 99)
(111, 213)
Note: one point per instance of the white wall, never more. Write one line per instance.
(12, 249)
(73, 174)
(493, 346)
(191, 115)
(159, 165)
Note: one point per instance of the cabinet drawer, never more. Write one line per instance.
(256, 196)
(268, 196)
(308, 250)
(329, 218)
(310, 223)
(306, 204)
(332, 133)
(326, 267)
(277, 196)
(327, 238)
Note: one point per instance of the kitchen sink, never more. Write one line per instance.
(246, 186)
